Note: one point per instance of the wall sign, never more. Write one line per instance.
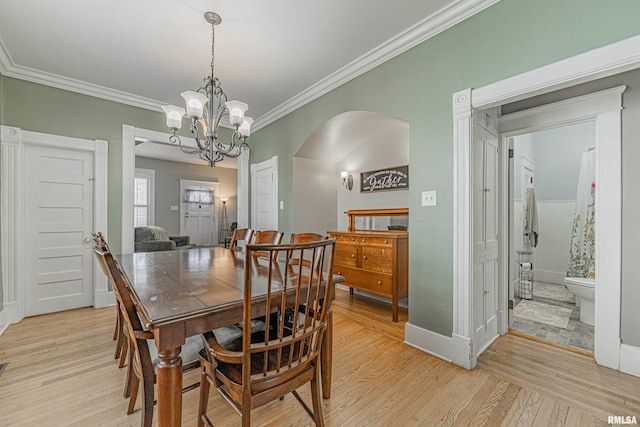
(396, 178)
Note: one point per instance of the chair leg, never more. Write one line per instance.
(130, 375)
(116, 332)
(204, 393)
(133, 393)
(148, 398)
(123, 346)
(315, 396)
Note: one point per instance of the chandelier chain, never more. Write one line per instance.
(213, 44)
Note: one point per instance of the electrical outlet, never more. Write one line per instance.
(429, 198)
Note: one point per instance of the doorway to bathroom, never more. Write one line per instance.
(552, 233)
(603, 109)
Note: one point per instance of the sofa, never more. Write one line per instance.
(153, 238)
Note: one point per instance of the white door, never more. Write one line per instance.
(199, 218)
(58, 204)
(485, 237)
(264, 195)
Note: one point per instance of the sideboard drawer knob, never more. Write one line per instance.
(380, 282)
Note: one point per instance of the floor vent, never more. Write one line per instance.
(2, 368)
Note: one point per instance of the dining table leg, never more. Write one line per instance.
(169, 379)
(326, 357)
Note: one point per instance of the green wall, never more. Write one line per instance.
(39, 108)
(509, 38)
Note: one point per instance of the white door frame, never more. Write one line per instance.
(13, 141)
(271, 164)
(604, 108)
(129, 135)
(598, 63)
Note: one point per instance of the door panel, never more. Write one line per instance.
(485, 237)
(491, 195)
(479, 143)
(264, 195)
(59, 213)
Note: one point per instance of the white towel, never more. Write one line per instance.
(532, 218)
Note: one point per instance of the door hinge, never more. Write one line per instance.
(511, 153)
(510, 304)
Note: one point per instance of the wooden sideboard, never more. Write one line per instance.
(374, 261)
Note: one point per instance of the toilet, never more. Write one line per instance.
(585, 291)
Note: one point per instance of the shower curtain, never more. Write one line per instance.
(582, 251)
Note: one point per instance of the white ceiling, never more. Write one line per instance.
(275, 55)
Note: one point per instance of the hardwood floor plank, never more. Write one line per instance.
(61, 371)
(504, 405)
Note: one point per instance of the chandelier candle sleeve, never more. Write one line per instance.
(206, 108)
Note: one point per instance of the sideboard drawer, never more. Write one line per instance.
(378, 283)
(346, 255)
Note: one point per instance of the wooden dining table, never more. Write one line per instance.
(181, 293)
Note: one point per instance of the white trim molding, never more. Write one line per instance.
(13, 141)
(430, 342)
(431, 26)
(462, 343)
(630, 359)
(605, 61)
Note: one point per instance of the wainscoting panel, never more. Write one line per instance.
(551, 258)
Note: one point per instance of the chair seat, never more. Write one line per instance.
(188, 354)
(233, 371)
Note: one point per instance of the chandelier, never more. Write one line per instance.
(207, 107)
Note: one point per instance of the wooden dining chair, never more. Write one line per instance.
(266, 237)
(266, 365)
(304, 238)
(240, 235)
(143, 353)
(119, 334)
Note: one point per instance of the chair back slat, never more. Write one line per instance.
(297, 301)
(240, 235)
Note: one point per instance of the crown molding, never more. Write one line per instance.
(429, 27)
(413, 36)
(10, 69)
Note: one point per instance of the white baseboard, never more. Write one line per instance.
(630, 360)
(430, 342)
(10, 314)
(103, 298)
(401, 303)
(607, 350)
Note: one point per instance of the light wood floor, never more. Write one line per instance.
(61, 371)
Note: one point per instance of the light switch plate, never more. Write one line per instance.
(429, 198)
(174, 208)
(281, 204)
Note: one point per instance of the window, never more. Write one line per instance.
(143, 197)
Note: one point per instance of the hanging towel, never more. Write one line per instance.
(532, 218)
